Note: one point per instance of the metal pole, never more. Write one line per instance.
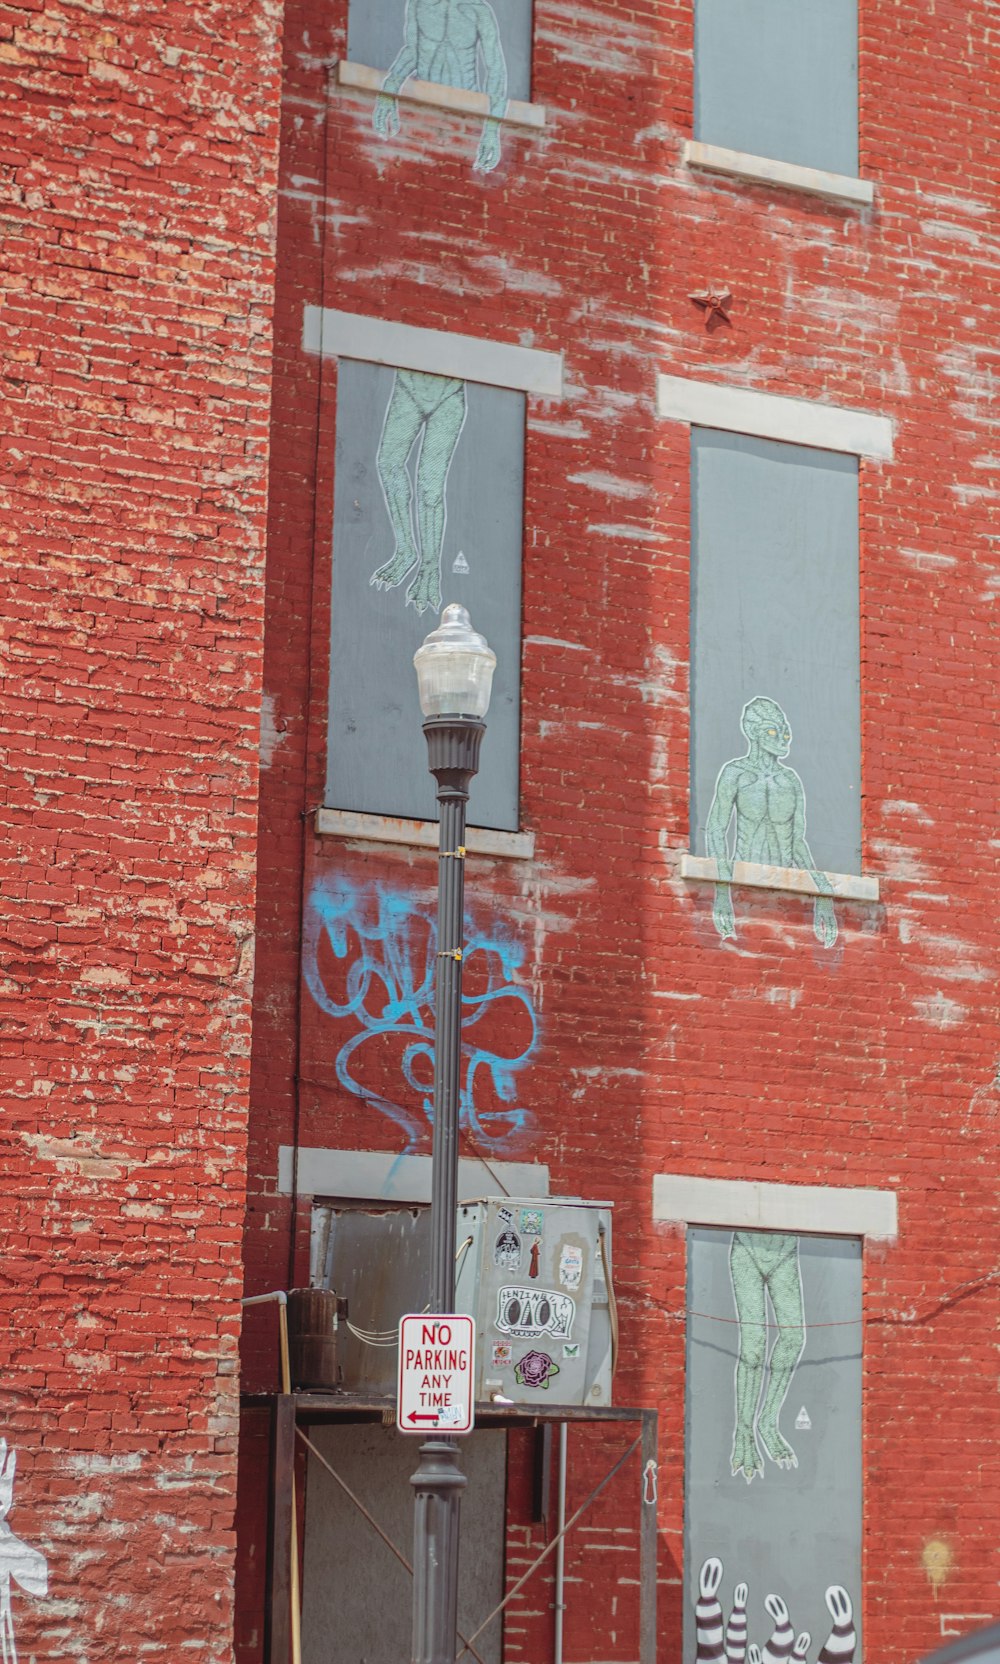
(560, 1588)
(453, 745)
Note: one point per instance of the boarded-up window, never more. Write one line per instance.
(779, 78)
(487, 38)
(357, 1600)
(773, 1444)
(775, 618)
(427, 510)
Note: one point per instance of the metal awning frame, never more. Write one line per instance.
(290, 1412)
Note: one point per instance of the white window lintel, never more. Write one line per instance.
(829, 427)
(438, 352)
(752, 1204)
(378, 1175)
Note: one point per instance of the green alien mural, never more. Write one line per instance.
(762, 1264)
(446, 41)
(766, 801)
(424, 417)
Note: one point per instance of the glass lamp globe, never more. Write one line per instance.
(455, 666)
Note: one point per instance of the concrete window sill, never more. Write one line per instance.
(763, 170)
(420, 834)
(843, 886)
(456, 100)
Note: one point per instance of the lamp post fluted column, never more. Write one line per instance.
(454, 670)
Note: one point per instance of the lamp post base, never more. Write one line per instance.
(437, 1488)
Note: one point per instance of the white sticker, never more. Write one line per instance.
(802, 1421)
(507, 1250)
(460, 564)
(527, 1313)
(571, 1266)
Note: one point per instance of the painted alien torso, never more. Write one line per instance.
(447, 41)
(766, 805)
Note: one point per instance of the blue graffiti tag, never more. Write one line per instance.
(391, 941)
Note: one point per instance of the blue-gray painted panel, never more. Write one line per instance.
(779, 78)
(357, 1600)
(760, 1305)
(376, 30)
(775, 613)
(376, 755)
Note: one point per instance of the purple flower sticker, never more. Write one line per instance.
(534, 1370)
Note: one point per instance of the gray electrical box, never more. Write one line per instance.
(533, 1273)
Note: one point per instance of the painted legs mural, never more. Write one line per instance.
(425, 414)
(762, 1264)
(766, 800)
(446, 41)
(715, 1639)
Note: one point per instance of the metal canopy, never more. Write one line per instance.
(290, 1410)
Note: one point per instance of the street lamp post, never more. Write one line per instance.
(454, 676)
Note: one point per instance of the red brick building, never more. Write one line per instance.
(139, 188)
(663, 338)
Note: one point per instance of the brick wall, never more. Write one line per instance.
(870, 1064)
(138, 170)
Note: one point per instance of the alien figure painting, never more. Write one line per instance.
(447, 41)
(424, 420)
(765, 1264)
(766, 801)
(773, 1449)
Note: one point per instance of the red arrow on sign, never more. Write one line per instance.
(412, 1417)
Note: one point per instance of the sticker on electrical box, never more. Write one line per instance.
(505, 1216)
(502, 1355)
(571, 1349)
(535, 1369)
(527, 1313)
(532, 1220)
(507, 1250)
(570, 1266)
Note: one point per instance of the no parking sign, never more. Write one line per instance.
(436, 1374)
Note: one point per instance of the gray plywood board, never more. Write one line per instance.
(775, 614)
(791, 1531)
(376, 755)
(356, 1597)
(779, 78)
